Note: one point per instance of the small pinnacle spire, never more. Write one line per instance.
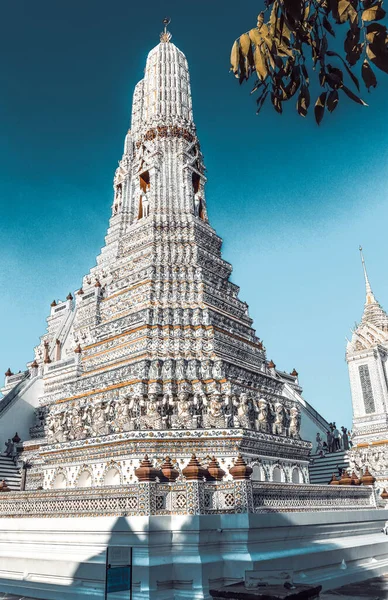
(166, 35)
(369, 294)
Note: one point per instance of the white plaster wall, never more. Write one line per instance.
(309, 429)
(378, 382)
(177, 557)
(355, 388)
(20, 414)
(309, 425)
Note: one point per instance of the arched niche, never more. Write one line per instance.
(85, 479)
(144, 180)
(277, 475)
(59, 482)
(196, 180)
(257, 473)
(296, 476)
(112, 477)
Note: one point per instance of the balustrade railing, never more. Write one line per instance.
(185, 497)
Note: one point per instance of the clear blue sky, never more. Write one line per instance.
(291, 200)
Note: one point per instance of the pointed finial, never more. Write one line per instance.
(369, 294)
(166, 35)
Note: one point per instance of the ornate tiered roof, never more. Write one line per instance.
(373, 328)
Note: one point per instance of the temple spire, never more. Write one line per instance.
(369, 294)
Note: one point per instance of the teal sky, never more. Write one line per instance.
(291, 200)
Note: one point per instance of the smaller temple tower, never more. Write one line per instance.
(366, 355)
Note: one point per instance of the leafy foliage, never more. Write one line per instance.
(280, 51)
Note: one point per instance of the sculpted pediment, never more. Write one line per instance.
(367, 336)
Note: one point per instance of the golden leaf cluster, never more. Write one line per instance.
(291, 40)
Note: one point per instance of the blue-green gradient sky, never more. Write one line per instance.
(291, 200)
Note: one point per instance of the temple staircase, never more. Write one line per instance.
(322, 467)
(10, 473)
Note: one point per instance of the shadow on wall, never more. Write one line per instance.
(17, 411)
(178, 557)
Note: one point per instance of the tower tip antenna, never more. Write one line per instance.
(165, 36)
(369, 294)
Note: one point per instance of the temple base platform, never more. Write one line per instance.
(178, 557)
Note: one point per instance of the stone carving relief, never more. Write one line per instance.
(185, 409)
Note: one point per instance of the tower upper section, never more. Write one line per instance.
(367, 357)
(373, 328)
(163, 97)
(161, 173)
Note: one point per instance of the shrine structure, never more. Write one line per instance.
(150, 415)
(155, 353)
(366, 355)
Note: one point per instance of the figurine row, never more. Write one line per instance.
(181, 411)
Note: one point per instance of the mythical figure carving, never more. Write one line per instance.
(56, 428)
(262, 419)
(217, 370)
(183, 416)
(180, 369)
(278, 424)
(99, 423)
(152, 418)
(241, 419)
(124, 419)
(214, 416)
(294, 423)
(75, 423)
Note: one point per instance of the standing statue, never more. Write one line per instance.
(294, 423)
(145, 205)
(278, 424)
(197, 204)
(118, 198)
(241, 419)
(214, 416)
(262, 419)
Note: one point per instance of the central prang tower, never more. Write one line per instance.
(157, 353)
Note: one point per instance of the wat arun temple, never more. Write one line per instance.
(150, 415)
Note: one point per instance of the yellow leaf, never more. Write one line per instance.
(245, 43)
(343, 10)
(270, 57)
(264, 30)
(273, 18)
(284, 50)
(260, 64)
(260, 20)
(374, 13)
(234, 57)
(353, 16)
(371, 55)
(255, 36)
(319, 109)
(368, 76)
